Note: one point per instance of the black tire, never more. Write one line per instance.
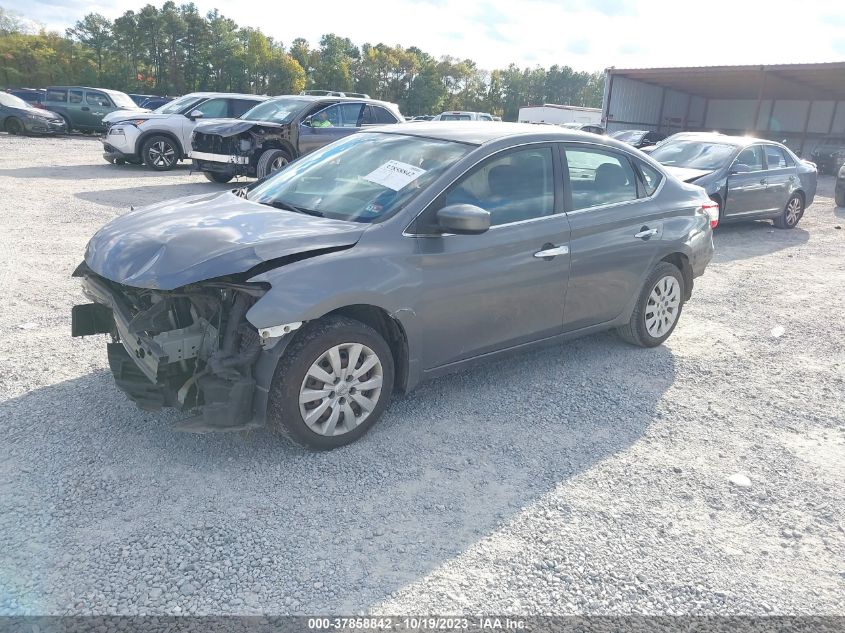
(636, 332)
(840, 197)
(14, 126)
(310, 343)
(792, 213)
(214, 176)
(271, 160)
(160, 153)
(68, 126)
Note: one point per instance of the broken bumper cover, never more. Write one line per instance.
(228, 164)
(225, 377)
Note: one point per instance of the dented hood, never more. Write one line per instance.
(175, 243)
(687, 174)
(232, 127)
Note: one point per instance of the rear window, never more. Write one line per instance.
(57, 95)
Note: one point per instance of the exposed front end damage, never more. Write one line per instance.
(233, 149)
(189, 348)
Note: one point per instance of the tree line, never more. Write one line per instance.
(175, 49)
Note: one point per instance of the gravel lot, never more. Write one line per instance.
(587, 478)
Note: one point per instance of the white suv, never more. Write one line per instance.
(162, 137)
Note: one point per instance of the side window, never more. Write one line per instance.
(59, 96)
(597, 177)
(237, 107)
(651, 177)
(97, 99)
(485, 117)
(214, 109)
(751, 156)
(514, 187)
(327, 117)
(75, 96)
(775, 158)
(382, 115)
(351, 114)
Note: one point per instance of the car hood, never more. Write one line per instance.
(128, 113)
(175, 243)
(687, 174)
(36, 112)
(232, 127)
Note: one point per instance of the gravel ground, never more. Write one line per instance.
(587, 478)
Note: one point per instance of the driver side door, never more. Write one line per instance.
(746, 194)
(344, 119)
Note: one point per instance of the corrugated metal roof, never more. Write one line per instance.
(774, 81)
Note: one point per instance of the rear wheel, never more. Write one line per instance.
(658, 307)
(270, 161)
(160, 153)
(332, 384)
(68, 127)
(791, 214)
(14, 126)
(217, 177)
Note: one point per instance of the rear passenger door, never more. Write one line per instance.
(615, 231)
(76, 108)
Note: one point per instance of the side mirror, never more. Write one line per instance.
(196, 114)
(740, 168)
(463, 219)
(307, 121)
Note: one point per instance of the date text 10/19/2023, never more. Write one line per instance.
(377, 623)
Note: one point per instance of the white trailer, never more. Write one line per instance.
(557, 114)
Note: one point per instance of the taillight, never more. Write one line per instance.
(711, 210)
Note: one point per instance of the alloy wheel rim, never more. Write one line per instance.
(341, 389)
(793, 211)
(277, 164)
(162, 153)
(662, 306)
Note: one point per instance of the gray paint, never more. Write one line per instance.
(456, 298)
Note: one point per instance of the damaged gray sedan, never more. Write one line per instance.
(391, 256)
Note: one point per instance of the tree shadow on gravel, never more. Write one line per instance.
(744, 240)
(150, 194)
(101, 490)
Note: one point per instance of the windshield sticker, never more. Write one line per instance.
(394, 174)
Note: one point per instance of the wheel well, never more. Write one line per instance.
(803, 196)
(147, 135)
(276, 144)
(681, 262)
(392, 332)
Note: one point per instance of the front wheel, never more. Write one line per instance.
(14, 126)
(658, 307)
(270, 161)
(791, 214)
(160, 153)
(332, 384)
(214, 176)
(840, 197)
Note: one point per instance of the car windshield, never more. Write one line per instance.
(122, 100)
(361, 178)
(628, 136)
(11, 101)
(275, 110)
(693, 154)
(455, 117)
(178, 105)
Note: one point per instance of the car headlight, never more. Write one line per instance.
(135, 122)
(40, 119)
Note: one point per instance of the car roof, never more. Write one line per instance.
(725, 139)
(312, 98)
(481, 132)
(226, 94)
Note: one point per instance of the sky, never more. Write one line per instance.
(584, 34)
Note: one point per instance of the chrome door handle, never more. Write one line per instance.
(645, 233)
(552, 252)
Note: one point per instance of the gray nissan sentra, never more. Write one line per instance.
(304, 300)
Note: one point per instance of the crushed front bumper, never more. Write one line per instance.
(216, 369)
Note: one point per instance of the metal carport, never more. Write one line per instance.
(797, 103)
